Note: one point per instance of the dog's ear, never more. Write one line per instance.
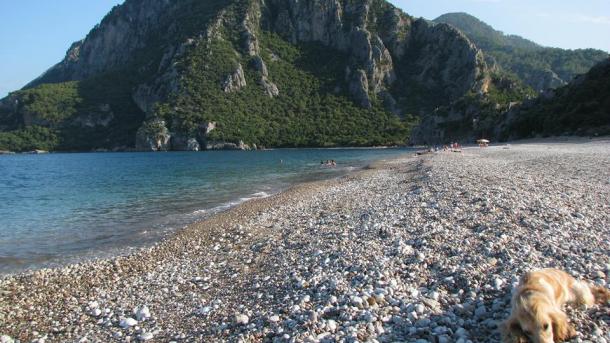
(562, 330)
(511, 331)
(601, 295)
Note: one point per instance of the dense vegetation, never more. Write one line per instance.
(60, 116)
(479, 115)
(28, 139)
(312, 109)
(532, 63)
(581, 108)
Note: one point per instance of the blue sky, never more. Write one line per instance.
(35, 34)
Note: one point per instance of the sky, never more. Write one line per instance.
(35, 34)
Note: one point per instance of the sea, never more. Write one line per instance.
(63, 208)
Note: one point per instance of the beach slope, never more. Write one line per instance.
(418, 249)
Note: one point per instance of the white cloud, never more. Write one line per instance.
(592, 19)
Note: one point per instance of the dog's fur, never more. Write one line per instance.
(537, 302)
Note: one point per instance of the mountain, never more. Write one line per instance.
(580, 108)
(189, 75)
(539, 67)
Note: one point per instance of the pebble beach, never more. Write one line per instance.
(423, 248)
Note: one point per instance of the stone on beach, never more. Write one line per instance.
(127, 323)
(242, 319)
(146, 336)
(358, 258)
(141, 313)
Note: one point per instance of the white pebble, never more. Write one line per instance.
(146, 336)
(142, 313)
(331, 325)
(128, 322)
(242, 319)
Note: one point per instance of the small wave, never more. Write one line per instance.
(261, 195)
(230, 204)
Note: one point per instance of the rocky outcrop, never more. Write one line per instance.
(270, 88)
(358, 87)
(579, 108)
(542, 80)
(444, 59)
(251, 24)
(309, 21)
(537, 66)
(234, 81)
(153, 135)
(221, 145)
(437, 56)
(182, 143)
(112, 43)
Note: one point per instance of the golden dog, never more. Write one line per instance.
(537, 314)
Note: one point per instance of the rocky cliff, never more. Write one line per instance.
(580, 108)
(272, 73)
(111, 44)
(539, 67)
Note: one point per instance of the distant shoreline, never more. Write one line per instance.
(554, 139)
(3, 152)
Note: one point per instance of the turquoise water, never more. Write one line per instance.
(60, 208)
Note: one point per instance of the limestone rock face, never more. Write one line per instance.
(235, 81)
(110, 44)
(358, 87)
(147, 95)
(446, 59)
(208, 127)
(547, 79)
(259, 65)
(181, 143)
(221, 145)
(270, 88)
(437, 55)
(153, 135)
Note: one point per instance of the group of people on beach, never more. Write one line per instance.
(328, 163)
(455, 147)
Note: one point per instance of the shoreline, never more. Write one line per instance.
(553, 139)
(221, 209)
(45, 152)
(419, 247)
(159, 226)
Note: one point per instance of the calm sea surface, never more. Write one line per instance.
(61, 208)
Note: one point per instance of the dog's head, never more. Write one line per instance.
(536, 320)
